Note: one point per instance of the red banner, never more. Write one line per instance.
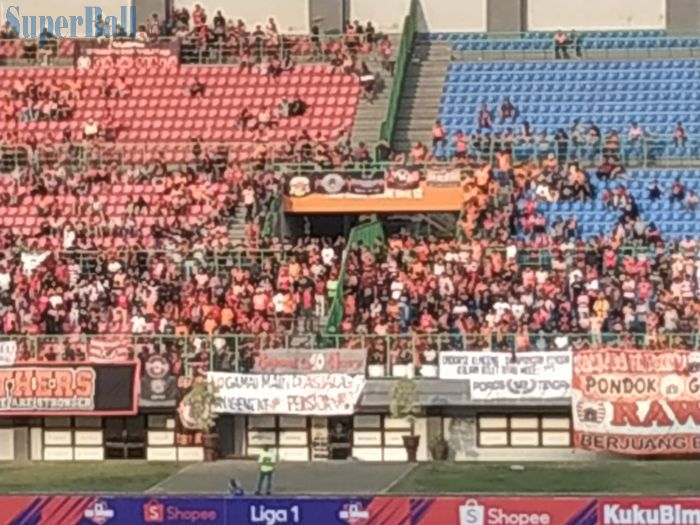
(108, 349)
(305, 361)
(637, 402)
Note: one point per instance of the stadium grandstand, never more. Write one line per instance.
(485, 210)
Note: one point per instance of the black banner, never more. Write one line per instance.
(158, 384)
(52, 389)
(337, 182)
(403, 178)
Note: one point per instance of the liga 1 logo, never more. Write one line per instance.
(473, 513)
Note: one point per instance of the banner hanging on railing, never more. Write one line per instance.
(294, 394)
(53, 389)
(8, 353)
(126, 55)
(338, 182)
(304, 361)
(158, 383)
(444, 177)
(395, 181)
(491, 375)
(637, 402)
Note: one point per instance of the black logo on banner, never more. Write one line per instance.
(333, 183)
(158, 386)
(403, 178)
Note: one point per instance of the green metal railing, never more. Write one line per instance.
(405, 50)
(387, 356)
(367, 234)
(271, 223)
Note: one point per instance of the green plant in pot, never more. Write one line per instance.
(439, 448)
(199, 404)
(404, 405)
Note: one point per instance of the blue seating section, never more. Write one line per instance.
(542, 41)
(672, 219)
(552, 94)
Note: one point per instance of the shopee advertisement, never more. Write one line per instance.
(504, 511)
(380, 510)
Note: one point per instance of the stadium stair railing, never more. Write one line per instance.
(408, 36)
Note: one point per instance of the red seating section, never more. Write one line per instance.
(160, 109)
(25, 217)
(13, 49)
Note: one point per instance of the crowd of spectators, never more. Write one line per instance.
(146, 250)
(29, 101)
(582, 141)
(224, 39)
(54, 206)
(489, 292)
(169, 293)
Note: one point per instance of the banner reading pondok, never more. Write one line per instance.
(380, 510)
(637, 402)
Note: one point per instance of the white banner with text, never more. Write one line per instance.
(531, 375)
(296, 394)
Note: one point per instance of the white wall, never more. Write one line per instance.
(386, 15)
(549, 15)
(292, 16)
(438, 15)
(454, 16)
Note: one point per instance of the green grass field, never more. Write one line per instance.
(108, 476)
(638, 477)
(620, 477)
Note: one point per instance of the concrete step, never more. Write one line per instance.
(426, 65)
(369, 127)
(418, 106)
(422, 93)
(417, 122)
(424, 81)
(405, 145)
(371, 110)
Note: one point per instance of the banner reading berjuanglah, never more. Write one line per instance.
(637, 402)
(531, 375)
(296, 394)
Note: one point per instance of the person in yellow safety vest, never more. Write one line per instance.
(266, 463)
